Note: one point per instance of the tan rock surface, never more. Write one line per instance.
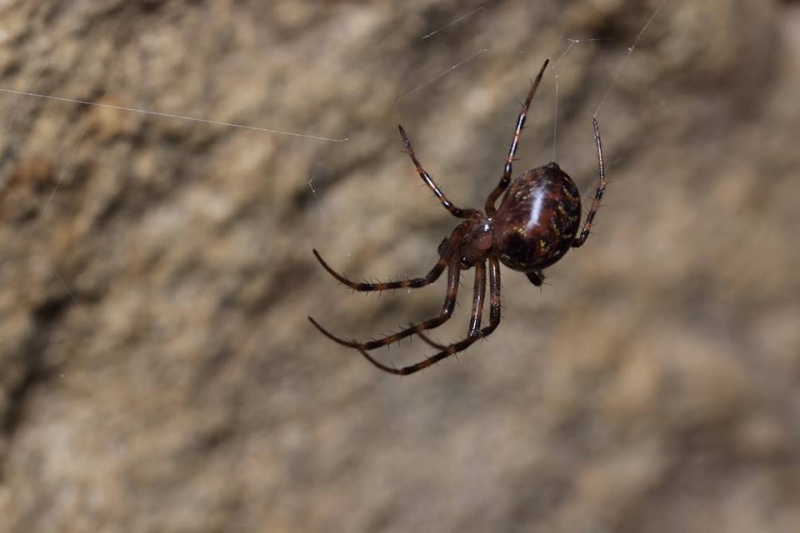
(158, 373)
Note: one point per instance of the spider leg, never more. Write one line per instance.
(431, 342)
(413, 283)
(506, 179)
(450, 257)
(601, 188)
(494, 321)
(479, 295)
(453, 275)
(455, 211)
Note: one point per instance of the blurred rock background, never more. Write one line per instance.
(158, 373)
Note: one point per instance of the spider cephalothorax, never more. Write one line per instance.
(535, 224)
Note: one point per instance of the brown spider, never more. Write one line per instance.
(534, 226)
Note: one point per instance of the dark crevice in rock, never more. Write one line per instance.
(35, 369)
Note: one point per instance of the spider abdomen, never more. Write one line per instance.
(537, 219)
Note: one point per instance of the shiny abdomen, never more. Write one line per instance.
(537, 219)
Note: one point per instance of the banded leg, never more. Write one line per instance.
(453, 275)
(478, 297)
(506, 179)
(413, 283)
(601, 189)
(448, 256)
(455, 211)
(494, 321)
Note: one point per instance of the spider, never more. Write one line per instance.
(535, 224)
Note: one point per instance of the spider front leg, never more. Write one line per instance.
(455, 211)
(507, 170)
